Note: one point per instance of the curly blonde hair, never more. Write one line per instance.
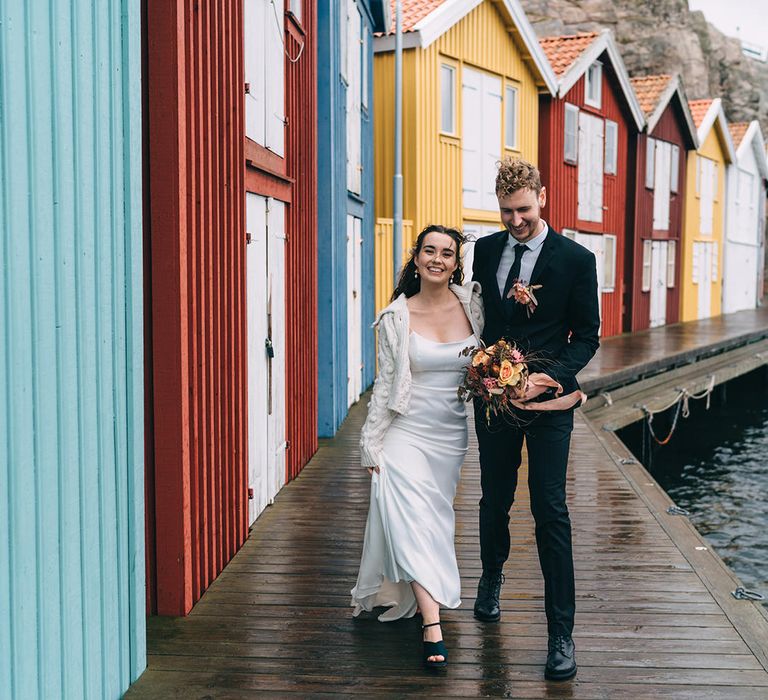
(517, 174)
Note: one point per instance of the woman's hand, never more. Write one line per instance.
(371, 470)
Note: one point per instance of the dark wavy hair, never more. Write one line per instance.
(409, 282)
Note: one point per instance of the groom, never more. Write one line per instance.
(562, 330)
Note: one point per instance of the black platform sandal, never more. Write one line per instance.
(434, 649)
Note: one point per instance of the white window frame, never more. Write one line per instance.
(674, 169)
(611, 158)
(454, 72)
(593, 83)
(646, 269)
(571, 155)
(569, 233)
(714, 261)
(671, 263)
(650, 162)
(609, 262)
(511, 109)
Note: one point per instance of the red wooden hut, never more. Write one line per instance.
(230, 132)
(653, 252)
(587, 138)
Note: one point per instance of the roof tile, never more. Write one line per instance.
(738, 131)
(649, 89)
(699, 109)
(413, 12)
(563, 51)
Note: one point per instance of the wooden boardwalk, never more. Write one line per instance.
(629, 357)
(654, 613)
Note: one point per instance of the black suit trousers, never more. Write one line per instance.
(547, 437)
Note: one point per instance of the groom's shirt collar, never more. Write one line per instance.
(535, 243)
(527, 262)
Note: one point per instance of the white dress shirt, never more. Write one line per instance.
(528, 261)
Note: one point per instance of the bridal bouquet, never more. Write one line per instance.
(497, 375)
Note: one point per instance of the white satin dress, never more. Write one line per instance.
(409, 534)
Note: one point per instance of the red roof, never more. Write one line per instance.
(563, 51)
(413, 12)
(738, 131)
(649, 89)
(699, 109)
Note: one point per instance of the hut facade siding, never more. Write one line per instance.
(432, 160)
(196, 232)
(561, 180)
(638, 307)
(72, 599)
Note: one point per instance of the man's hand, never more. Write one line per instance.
(371, 470)
(537, 384)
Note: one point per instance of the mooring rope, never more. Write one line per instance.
(683, 407)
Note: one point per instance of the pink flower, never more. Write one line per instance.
(517, 356)
(490, 383)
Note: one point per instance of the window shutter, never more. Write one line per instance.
(471, 137)
(707, 195)
(650, 154)
(596, 169)
(571, 140)
(714, 249)
(491, 137)
(671, 262)
(646, 276)
(661, 187)
(674, 183)
(611, 146)
(354, 114)
(585, 158)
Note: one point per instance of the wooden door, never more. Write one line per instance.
(659, 251)
(265, 259)
(595, 243)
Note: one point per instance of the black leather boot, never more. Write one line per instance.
(488, 593)
(561, 659)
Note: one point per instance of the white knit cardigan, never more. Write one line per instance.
(392, 388)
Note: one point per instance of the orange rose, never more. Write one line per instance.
(480, 358)
(509, 374)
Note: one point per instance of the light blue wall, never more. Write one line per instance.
(71, 375)
(334, 203)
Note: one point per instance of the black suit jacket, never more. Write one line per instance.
(564, 329)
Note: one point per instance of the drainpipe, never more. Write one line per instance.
(397, 232)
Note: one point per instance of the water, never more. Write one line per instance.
(716, 467)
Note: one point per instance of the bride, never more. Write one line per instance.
(415, 438)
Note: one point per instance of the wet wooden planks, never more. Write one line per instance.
(277, 621)
(632, 356)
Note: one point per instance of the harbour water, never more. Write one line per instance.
(716, 467)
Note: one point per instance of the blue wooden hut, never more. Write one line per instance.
(346, 361)
(72, 593)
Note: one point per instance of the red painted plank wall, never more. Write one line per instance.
(301, 247)
(561, 179)
(194, 143)
(638, 314)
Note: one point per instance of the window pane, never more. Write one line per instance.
(650, 154)
(447, 99)
(511, 118)
(296, 9)
(675, 168)
(593, 78)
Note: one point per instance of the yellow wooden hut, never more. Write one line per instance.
(472, 74)
(704, 219)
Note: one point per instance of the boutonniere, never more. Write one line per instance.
(523, 294)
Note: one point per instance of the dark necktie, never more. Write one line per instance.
(514, 271)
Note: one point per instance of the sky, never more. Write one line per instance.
(744, 19)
